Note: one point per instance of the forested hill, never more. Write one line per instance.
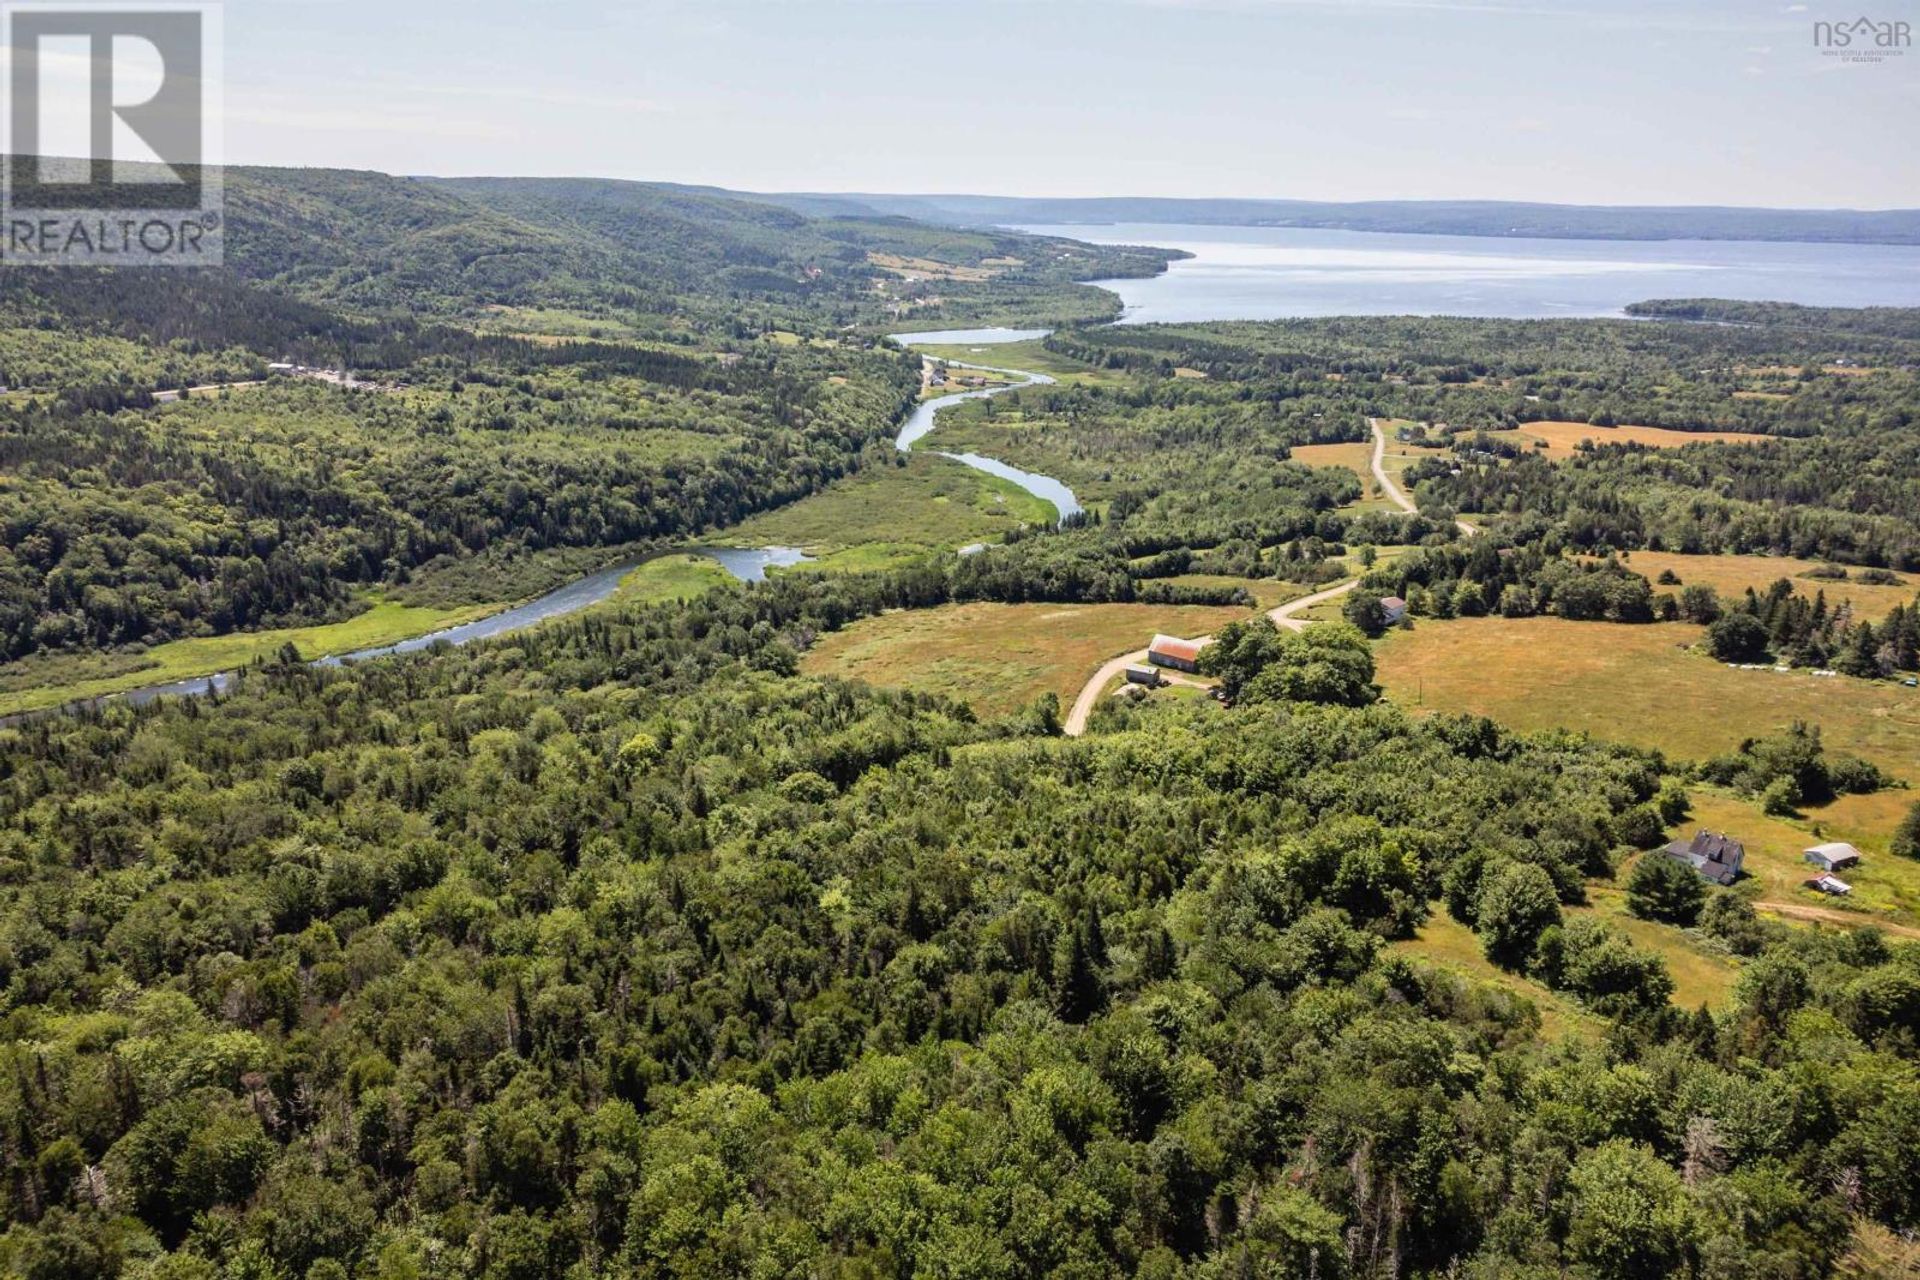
(607, 249)
(508, 253)
(1883, 322)
(619, 951)
(551, 371)
(1432, 217)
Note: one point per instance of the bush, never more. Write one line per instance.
(1364, 611)
(1639, 827)
(1732, 919)
(1663, 888)
(1737, 637)
(1906, 836)
(1700, 603)
(1517, 904)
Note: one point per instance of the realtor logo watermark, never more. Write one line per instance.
(1863, 39)
(113, 134)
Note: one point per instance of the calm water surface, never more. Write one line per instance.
(1268, 273)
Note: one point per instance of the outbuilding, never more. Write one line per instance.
(1394, 608)
(1832, 884)
(1171, 651)
(1148, 676)
(1833, 857)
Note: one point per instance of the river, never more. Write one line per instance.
(921, 421)
(1255, 273)
(746, 564)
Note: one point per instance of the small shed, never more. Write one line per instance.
(1394, 607)
(1832, 884)
(1833, 856)
(1149, 676)
(1171, 651)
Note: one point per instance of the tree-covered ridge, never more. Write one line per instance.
(615, 949)
(1498, 218)
(1841, 484)
(1892, 322)
(630, 253)
(277, 504)
(1495, 374)
(1847, 495)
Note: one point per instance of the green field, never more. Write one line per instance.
(673, 577)
(1030, 357)
(31, 686)
(997, 657)
(1730, 576)
(1642, 685)
(900, 510)
(1445, 942)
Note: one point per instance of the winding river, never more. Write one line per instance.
(921, 421)
(746, 564)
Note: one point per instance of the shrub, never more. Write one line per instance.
(1732, 919)
(1906, 836)
(1663, 888)
(1517, 904)
(1737, 637)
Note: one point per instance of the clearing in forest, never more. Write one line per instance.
(1000, 657)
(1563, 438)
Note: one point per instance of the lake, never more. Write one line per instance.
(1267, 273)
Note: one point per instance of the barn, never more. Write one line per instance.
(1833, 856)
(1171, 651)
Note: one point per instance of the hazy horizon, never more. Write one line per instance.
(1643, 102)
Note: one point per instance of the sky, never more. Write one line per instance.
(1586, 101)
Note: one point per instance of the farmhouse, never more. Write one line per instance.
(1715, 857)
(1171, 651)
(1833, 857)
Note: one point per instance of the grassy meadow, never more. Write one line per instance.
(999, 657)
(1643, 686)
(1450, 945)
(36, 684)
(886, 514)
(1031, 356)
(1562, 439)
(1732, 575)
(672, 577)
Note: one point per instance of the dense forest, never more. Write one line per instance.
(557, 367)
(1841, 482)
(616, 949)
(617, 946)
(275, 504)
